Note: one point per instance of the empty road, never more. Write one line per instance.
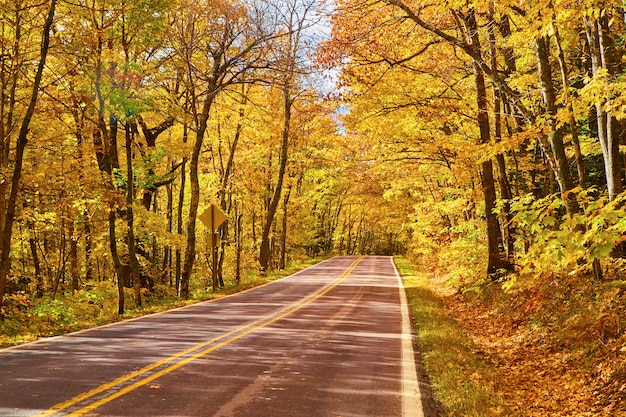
(332, 340)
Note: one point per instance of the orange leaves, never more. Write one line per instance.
(545, 366)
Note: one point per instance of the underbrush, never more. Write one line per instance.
(28, 318)
(536, 344)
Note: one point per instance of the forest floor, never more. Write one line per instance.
(552, 347)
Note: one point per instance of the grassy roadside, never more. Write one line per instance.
(97, 306)
(547, 346)
(463, 382)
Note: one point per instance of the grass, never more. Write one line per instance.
(462, 381)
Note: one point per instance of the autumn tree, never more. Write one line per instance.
(385, 57)
(290, 64)
(216, 44)
(8, 120)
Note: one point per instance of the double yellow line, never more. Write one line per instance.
(143, 376)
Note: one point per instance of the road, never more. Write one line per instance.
(332, 340)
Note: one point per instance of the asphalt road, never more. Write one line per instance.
(332, 340)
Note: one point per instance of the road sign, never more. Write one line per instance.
(213, 218)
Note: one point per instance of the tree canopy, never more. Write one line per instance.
(490, 124)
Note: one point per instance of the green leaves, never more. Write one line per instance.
(589, 235)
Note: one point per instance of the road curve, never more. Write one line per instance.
(332, 340)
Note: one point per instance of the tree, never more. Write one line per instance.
(496, 260)
(290, 50)
(398, 58)
(604, 67)
(22, 139)
(216, 44)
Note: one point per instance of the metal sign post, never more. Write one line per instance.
(213, 219)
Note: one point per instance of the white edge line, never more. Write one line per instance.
(411, 396)
(116, 323)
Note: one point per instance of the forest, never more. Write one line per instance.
(483, 141)
(123, 122)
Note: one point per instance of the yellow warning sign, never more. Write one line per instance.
(213, 218)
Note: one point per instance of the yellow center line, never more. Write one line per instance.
(188, 355)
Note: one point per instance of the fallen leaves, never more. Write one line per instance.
(541, 369)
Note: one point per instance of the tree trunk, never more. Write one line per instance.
(151, 135)
(600, 46)
(580, 167)
(179, 221)
(32, 240)
(253, 227)
(238, 244)
(555, 137)
(495, 261)
(227, 173)
(10, 72)
(190, 249)
(167, 258)
(117, 264)
(130, 221)
(73, 258)
(88, 248)
(503, 180)
(602, 57)
(283, 238)
(264, 253)
(505, 188)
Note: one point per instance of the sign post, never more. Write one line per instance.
(213, 219)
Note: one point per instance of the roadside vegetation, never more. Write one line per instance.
(546, 348)
(96, 305)
(161, 148)
(499, 127)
